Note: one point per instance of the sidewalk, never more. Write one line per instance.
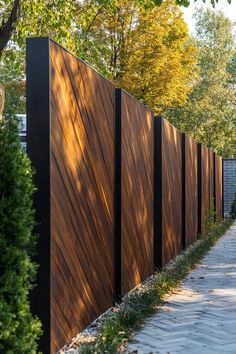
(201, 316)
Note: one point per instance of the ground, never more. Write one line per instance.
(200, 317)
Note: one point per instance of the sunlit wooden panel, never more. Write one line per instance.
(205, 187)
(191, 191)
(82, 171)
(137, 148)
(171, 192)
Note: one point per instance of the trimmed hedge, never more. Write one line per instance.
(19, 329)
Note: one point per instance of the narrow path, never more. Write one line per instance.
(201, 316)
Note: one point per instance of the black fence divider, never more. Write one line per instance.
(199, 189)
(223, 202)
(183, 191)
(214, 182)
(117, 197)
(157, 192)
(38, 148)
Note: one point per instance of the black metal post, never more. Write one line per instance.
(223, 188)
(214, 182)
(183, 191)
(199, 170)
(158, 192)
(38, 148)
(117, 197)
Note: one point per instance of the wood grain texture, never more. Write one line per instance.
(205, 190)
(137, 169)
(211, 177)
(191, 191)
(82, 164)
(218, 186)
(171, 192)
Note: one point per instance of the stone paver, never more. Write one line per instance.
(201, 316)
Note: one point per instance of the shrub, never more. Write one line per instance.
(210, 217)
(19, 329)
(233, 208)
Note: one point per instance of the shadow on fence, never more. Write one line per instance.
(119, 192)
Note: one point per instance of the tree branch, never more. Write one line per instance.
(7, 28)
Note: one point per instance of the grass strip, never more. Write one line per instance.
(143, 302)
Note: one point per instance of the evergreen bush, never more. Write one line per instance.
(19, 329)
(210, 217)
(233, 208)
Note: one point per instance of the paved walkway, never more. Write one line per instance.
(201, 316)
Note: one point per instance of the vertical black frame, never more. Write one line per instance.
(223, 190)
(38, 148)
(199, 172)
(183, 191)
(117, 197)
(157, 223)
(214, 182)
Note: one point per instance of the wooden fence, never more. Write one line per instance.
(137, 173)
(168, 192)
(190, 191)
(119, 192)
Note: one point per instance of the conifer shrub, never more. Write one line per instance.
(233, 208)
(19, 329)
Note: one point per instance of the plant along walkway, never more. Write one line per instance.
(201, 316)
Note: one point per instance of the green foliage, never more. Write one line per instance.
(209, 116)
(143, 48)
(210, 217)
(148, 52)
(12, 79)
(143, 302)
(19, 330)
(233, 208)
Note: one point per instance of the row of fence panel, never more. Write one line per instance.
(119, 192)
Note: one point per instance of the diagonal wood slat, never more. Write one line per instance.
(191, 191)
(137, 149)
(82, 153)
(171, 192)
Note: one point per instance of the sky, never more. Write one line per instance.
(228, 9)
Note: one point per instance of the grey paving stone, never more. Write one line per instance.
(201, 317)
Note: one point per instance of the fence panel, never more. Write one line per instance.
(190, 222)
(172, 191)
(168, 192)
(81, 171)
(137, 149)
(211, 177)
(205, 186)
(218, 186)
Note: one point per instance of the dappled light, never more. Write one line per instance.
(137, 192)
(171, 192)
(191, 190)
(82, 111)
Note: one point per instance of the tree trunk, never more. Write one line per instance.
(8, 26)
(2, 100)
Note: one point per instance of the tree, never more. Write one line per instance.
(8, 22)
(161, 66)
(148, 52)
(12, 79)
(25, 19)
(2, 101)
(210, 114)
(19, 9)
